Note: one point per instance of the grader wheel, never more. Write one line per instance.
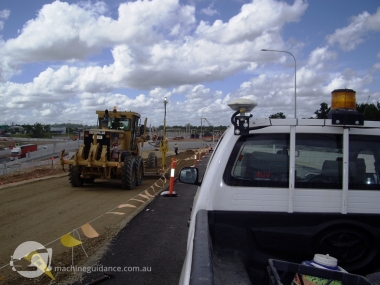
(152, 160)
(74, 177)
(128, 176)
(139, 170)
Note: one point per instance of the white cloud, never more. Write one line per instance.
(65, 32)
(348, 38)
(376, 66)
(254, 20)
(275, 93)
(209, 11)
(4, 14)
(158, 50)
(145, 54)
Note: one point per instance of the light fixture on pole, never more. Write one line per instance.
(295, 77)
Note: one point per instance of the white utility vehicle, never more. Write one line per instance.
(278, 191)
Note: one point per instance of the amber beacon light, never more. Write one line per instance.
(343, 108)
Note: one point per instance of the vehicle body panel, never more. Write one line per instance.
(216, 196)
(22, 151)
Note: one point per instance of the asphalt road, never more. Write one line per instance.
(154, 242)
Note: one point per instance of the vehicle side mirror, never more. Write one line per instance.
(189, 175)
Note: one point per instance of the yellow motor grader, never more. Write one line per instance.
(111, 152)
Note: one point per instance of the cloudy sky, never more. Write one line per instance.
(62, 60)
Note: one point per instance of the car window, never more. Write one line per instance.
(260, 160)
(319, 161)
(364, 162)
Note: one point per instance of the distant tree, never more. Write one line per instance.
(28, 128)
(279, 115)
(46, 128)
(370, 111)
(38, 131)
(323, 111)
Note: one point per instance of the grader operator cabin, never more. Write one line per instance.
(111, 152)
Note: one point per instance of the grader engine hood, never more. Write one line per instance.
(112, 140)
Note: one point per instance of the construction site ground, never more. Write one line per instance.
(41, 206)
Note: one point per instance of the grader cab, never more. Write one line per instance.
(112, 151)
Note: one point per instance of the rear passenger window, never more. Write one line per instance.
(260, 160)
(364, 162)
(319, 161)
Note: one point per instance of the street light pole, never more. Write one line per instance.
(201, 129)
(295, 78)
(78, 130)
(164, 144)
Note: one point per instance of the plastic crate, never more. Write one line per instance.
(283, 272)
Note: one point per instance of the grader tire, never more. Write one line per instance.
(74, 177)
(139, 170)
(128, 177)
(152, 160)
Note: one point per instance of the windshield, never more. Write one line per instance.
(15, 152)
(118, 124)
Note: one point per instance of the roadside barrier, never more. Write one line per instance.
(171, 192)
(16, 167)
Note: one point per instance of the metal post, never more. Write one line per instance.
(163, 144)
(213, 134)
(295, 78)
(78, 137)
(201, 129)
(78, 130)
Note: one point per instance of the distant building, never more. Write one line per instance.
(16, 129)
(60, 130)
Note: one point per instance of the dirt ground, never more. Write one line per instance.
(41, 206)
(29, 175)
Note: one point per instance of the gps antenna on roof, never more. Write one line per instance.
(241, 106)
